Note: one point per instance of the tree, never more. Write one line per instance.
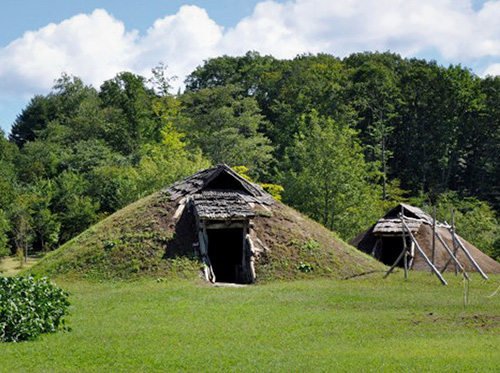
(21, 222)
(76, 210)
(8, 177)
(226, 126)
(326, 177)
(131, 122)
(40, 111)
(375, 94)
(45, 224)
(4, 239)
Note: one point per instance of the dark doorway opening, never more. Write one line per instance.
(225, 181)
(391, 249)
(225, 250)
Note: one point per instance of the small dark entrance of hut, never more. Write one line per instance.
(391, 247)
(226, 253)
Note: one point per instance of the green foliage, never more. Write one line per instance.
(273, 189)
(22, 224)
(353, 325)
(327, 177)
(393, 128)
(129, 103)
(4, 240)
(30, 307)
(475, 220)
(311, 245)
(305, 267)
(225, 125)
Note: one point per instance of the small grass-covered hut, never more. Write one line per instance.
(215, 223)
(385, 242)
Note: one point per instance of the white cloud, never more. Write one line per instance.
(450, 27)
(96, 46)
(493, 69)
(182, 41)
(93, 47)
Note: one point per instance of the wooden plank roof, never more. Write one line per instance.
(222, 205)
(408, 211)
(393, 226)
(202, 180)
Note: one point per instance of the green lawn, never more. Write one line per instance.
(363, 324)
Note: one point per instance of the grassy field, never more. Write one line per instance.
(10, 266)
(362, 324)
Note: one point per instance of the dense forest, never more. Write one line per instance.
(345, 138)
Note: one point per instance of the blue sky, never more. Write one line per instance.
(94, 40)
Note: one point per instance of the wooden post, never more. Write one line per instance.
(412, 254)
(455, 248)
(374, 250)
(438, 274)
(453, 257)
(405, 249)
(434, 236)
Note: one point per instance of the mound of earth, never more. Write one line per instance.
(146, 238)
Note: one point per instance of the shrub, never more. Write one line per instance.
(29, 307)
(305, 267)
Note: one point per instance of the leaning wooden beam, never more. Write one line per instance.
(461, 245)
(434, 269)
(203, 247)
(446, 265)
(434, 236)
(374, 250)
(412, 254)
(452, 257)
(395, 263)
(453, 237)
(405, 248)
(180, 209)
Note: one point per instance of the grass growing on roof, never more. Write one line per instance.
(362, 324)
(143, 240)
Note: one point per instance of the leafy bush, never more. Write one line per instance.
(305, 267)
(29, 307)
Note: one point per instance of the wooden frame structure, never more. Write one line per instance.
(220, 199)
(457, 244)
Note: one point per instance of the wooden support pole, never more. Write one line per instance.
(412, 254)
(455, 248)
(478, 268)
(434, 237)
(374, 250)
(395, 264)
(453, 257)
(438, 274)
(405, 249)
